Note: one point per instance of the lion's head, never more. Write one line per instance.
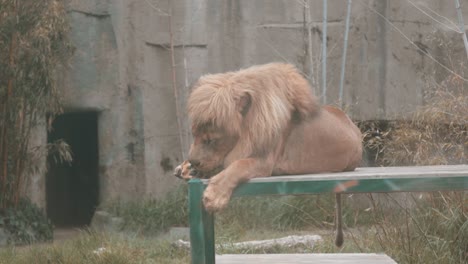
(245, 113)
(210, 147)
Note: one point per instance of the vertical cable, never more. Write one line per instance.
(461, 25)
(324, 52)
(345, 49)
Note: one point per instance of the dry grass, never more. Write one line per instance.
(434, 229)
(436, 135)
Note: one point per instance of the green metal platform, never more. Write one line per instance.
(362, 180)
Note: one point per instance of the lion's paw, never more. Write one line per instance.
(215, 199)
(183, 171)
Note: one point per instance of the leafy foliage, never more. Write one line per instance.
(33, 48)
(26, 224)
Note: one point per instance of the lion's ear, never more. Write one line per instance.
(243, 103)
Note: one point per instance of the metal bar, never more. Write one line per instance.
(461, 25)
(324, 52)
(353, 186)
(345, 49)
(439, 171)
(208, 227)
(201, 226)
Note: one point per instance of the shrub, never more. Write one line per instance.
(26, 224)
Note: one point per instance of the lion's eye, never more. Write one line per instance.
(210, 141)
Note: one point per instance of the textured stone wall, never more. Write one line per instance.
(123, 67)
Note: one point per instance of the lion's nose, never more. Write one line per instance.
(194, 163)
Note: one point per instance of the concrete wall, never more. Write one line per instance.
(123, 67)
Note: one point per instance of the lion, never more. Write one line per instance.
(263, 121)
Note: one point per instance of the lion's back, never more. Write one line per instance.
(330, 142)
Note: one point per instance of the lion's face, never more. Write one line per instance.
(210, 147)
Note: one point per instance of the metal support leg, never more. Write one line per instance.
(201, 226)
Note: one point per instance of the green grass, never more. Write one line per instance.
(118, 248)
(267, 212)
(433, 230)
(152, 217)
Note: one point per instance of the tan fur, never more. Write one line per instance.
(277, 90)
(261, 121)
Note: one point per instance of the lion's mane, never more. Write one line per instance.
(276, 94)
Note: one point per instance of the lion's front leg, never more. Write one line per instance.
(218, 192)
(221, 186)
